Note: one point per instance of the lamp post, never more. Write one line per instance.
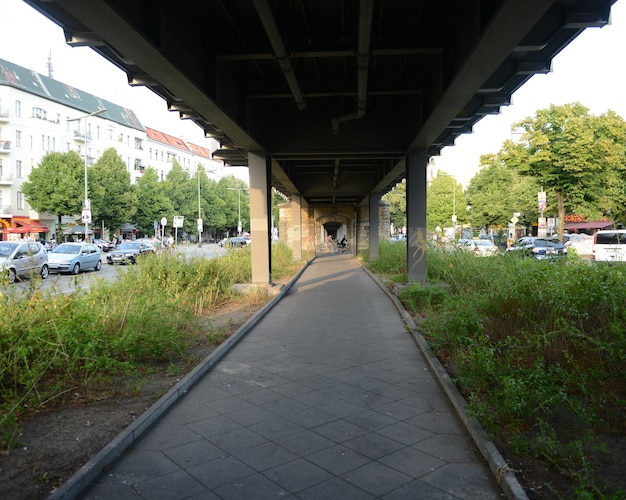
(239, 204)
(200, 228)
(86, 203)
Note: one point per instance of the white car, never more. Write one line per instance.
(481, 248)
(23, 259)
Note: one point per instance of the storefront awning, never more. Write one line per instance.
(597, 224)
(22, 226)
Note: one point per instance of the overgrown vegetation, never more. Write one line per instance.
(52, 343)
(538, 348)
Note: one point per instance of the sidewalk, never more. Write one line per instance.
(327, 396)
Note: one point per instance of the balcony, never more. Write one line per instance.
(5, 147)
(81, 136)
(5, 210)
(4, 116)
(6, 180)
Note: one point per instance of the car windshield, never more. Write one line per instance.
(128, 246)
(484, 243)
(67, 248)
(6, 249)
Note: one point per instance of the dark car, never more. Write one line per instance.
(539, 248)
(129, 252)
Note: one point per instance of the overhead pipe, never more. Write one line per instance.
(273, 34)
(366, 14)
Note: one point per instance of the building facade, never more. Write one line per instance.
(39, 115)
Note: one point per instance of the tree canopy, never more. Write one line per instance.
(56, 185)
(579, 156)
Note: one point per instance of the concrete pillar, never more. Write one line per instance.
(260, 212)
(416, 163)
(296, 227)
(374, 219)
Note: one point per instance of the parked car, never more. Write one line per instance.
(23, 259)
(75, 257)
(222, 242)
(238, 241)
(104, 246)
(129, 252)
(480, 248)
(539, 248)
(609, 245)
(398, 237)
(48, 245)
(582, 243)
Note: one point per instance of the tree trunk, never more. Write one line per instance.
(561, 207)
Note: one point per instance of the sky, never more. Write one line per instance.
(589, 70)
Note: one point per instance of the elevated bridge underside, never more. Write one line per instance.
(336, 93)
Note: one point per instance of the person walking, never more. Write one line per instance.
(329, 243)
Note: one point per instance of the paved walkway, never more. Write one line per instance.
(328, 396)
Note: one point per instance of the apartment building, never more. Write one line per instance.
(39, 115)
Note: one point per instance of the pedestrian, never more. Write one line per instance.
(329, 243)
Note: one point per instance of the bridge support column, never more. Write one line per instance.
(296, 227)
(260, 210)
(374, 217)
(416, 163)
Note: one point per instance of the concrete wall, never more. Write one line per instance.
(355, 219)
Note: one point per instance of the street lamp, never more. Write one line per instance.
(86, 203)
(199, 213)
(239, 212)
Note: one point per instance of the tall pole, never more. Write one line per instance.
(86, 203)
(199, 212)
(239, 209)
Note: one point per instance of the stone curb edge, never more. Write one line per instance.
(100, 462)
(503, 474)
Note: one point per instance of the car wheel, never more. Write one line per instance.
(45, 271)
(11, 276)
(76, 268)
(98, 265)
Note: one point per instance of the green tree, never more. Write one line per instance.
(445, 199)
(113, 201)
(235, 193)
(181, 190)
(578, 155)
(56, 185)
(497, 192)
(152, 203)
(397, 201)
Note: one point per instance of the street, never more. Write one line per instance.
(68, 283)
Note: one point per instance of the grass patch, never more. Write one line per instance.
(538, 349)
(52, 343)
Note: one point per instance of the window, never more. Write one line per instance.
(18, 169)
(97, 131)
(20, 200)
(18, 138)
(111, 134)
(43, 142)
(39, 113)
(138, 143)
(18, 109)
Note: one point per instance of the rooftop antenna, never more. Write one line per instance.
(49, 65)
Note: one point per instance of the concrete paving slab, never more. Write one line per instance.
(327, 394)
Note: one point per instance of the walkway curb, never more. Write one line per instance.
(504, 475)
(83, 478)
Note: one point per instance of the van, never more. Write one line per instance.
(609, 245)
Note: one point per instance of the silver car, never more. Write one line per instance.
(23, 259)
(74, 258)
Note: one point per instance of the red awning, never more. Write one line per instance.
(27, 226)
(597, 224)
